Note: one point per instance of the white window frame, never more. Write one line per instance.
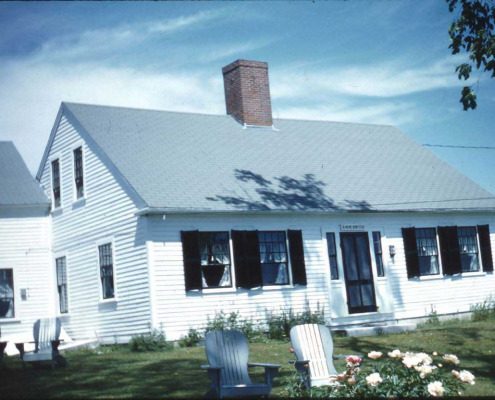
(111, 241)
(52, 196)
(55, 257)
(75, 146)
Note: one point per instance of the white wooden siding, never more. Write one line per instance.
(106, 211)
(25, 248)
(397, 296)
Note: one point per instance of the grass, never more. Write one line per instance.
(116, 372)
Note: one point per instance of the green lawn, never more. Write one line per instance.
(110, 372)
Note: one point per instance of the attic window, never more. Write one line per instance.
(56, 183)
(78, 173)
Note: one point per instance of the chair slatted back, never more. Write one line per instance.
(228, 349)
(314, 343)
(44, 331)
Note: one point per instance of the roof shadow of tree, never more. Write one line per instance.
(285, 193)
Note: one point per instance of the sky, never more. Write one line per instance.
(379, 62)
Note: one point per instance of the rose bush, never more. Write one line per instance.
(398, 375)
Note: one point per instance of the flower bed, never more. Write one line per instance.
(396, 375)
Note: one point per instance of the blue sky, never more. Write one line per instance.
(384, 62)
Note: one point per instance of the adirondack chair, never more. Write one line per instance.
(46, 334)
(228, 353)
(313, 347)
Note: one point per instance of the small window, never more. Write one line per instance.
(468, 247)
(106, 271)
(273, 256)
(215, 259)
(78, 173)
(377, 243)
(56, 183)
(6, 293)
(62, 284)
(332, 255)
(426, 242)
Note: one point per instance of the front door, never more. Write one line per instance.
(358, 273)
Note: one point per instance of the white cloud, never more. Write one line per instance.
(386, 79)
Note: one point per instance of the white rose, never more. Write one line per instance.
(466, 376)
(452, 358)
(374, 355)
(395, 354)
(411, 361)
(436, 389)
(374, 379)
(425, 358)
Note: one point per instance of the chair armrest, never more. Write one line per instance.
(264, 365)
(211, 367)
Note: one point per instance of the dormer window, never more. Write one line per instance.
(78, 173)
(56, 183)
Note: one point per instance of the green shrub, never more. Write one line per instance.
(279, 325)
(154, 341)
(432, 319)
(483, 311)
(233, 321)
(191, 339)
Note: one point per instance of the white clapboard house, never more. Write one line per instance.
(160, 219)
(26, 275)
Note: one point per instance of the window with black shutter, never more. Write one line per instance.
(62, 284)
(56, 183)
(332, 256)
(468, 248)
(106, 271)
(78, 173)
(296, 252)
(206, 259)
(377, 244)
(485, 247)
(426, 243)
(273, 257)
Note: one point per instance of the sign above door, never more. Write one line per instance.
(352, 227)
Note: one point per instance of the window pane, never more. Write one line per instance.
(273, 256)
(62, 284)
(78, 172)
(362, 252)
(6, 293)
(56, 182)
(377, 244)
(367, 294)
(106, 271)
(354, 296)
(332, 255)
(468, 247)
(215, 259)
(426, 240)
(350, 259)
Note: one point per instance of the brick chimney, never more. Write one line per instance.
(247, 92)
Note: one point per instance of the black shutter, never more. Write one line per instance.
(296, 251)
(449, 249)
(247, 263)
(192, 259)
(486, 249)
(411, 251)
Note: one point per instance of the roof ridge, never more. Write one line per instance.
(222, 115)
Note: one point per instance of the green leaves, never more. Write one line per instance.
(473, 31)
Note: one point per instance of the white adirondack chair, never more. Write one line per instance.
(46, 333)
(313, 347)
(228, 353)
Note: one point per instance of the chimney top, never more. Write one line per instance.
(247, 92)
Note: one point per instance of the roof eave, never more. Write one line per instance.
(164, 210)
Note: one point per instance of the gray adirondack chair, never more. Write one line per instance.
(313, 347)
(228, 353)
(46, 334)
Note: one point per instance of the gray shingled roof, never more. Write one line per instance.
(17, 186)
(182, 161)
